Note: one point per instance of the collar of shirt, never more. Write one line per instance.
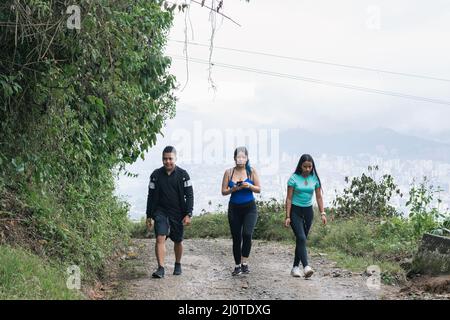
(173, 171)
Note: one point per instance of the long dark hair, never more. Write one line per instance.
(304, 158)
(248, 168)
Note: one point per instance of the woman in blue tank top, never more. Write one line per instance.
(241, 182)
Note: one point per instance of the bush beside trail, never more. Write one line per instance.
(92, 103)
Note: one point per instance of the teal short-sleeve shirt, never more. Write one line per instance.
(303, 192)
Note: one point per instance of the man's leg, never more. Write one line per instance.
(161, 231)
(160, 250)
(178, 248)
(176, 235)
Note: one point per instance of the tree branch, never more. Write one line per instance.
(225, 16)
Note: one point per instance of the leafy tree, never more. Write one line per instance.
(90, 97)
(367, 195)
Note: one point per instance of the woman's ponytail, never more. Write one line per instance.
(248, 168)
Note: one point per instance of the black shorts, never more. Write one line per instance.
(169, 225)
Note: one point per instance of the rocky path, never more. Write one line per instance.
(207, 266)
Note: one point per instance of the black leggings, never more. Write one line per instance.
(301, 221)
(242, 219)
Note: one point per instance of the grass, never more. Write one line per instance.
(83, 228)
(138, 229)
(391, 272)
(24, 275)
(359, 242)
(210, 225)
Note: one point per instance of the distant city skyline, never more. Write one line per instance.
(206, 176)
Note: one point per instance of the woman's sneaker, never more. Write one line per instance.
(244, 268)
(237, 271)
(308, 271)
(295, 272)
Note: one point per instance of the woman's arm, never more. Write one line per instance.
(256, 187)
(225, 188)
(319, 200)
(290, 192)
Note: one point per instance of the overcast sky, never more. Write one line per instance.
(400, 36)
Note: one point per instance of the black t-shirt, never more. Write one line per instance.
(169, 201)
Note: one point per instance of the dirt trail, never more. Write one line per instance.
(207, 266)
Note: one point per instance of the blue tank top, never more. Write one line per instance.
(242, 196)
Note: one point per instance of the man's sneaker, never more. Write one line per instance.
(308, 271)
(295, 272)
(177, 269)
(159, 273)
(237, 271)
(244, 268)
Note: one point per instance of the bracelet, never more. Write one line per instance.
(323, 213)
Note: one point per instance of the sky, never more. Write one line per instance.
(396, 36)
(399, 36)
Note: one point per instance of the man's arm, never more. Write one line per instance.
(151, 192)
(188, 193)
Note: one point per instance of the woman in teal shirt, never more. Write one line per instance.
(299, 209)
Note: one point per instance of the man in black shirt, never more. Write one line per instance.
(170, 203)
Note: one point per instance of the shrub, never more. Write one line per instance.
(209, 225)
(367, 195)
(424, 216)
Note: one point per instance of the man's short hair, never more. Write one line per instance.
(170, 149)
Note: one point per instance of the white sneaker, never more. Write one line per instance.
(308, 271)
(295, 272)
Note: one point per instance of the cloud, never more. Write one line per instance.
(411, 39)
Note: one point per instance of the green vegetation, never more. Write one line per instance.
(423, 214)
(208, 226)
(24, 275)
(367, 195)
(76, 106)
(358, 242)
(138, 229)
(270, 224)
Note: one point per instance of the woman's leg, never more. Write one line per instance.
(250, 218)
(301, 221)
(235, 221)
(297, 224)
(308, 214)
